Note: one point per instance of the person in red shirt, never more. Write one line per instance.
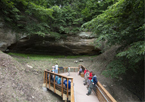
(90, 78)
(86, 77)
(85, 71)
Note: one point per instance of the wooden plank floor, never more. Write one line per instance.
(80, 89)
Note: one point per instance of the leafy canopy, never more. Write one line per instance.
(122, 24)
(49, 17)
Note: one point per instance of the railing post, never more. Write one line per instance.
(54, 82)
(72, 80)
(72, 91)
(44, 77)
(67, 88)
(49, 80)
(62, 86)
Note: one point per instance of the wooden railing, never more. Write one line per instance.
(65, 93)
(83, 68)
(68, 94)
(72, 93)
(72, 69)
(102, 94)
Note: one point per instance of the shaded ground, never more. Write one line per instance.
(21, 78)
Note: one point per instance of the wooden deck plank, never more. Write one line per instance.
(80, 89)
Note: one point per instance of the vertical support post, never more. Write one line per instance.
(67, 88)
(46, 79)
(54, 83)
(58, 70)
(72, 80)
(49, 79)
(44, 76)
(62, 86)
(72, 91)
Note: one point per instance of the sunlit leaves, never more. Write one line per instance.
(122, 24)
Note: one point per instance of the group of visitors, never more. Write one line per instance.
(58, 78)
(90, 79)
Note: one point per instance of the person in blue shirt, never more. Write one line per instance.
(80, 71)
(59, 80)
(69, 83)
(94, 79)
(56, 78)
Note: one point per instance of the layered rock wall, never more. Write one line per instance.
(7, 37)
(81, 43)
(77, 44)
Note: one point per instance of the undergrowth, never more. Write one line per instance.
(44, 57)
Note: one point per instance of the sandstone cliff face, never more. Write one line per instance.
(81, 43)
(7, 37)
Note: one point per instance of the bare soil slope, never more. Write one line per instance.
(21, 84)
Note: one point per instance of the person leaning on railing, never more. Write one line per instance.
(56, 78)
(92, 84)
(94, 79)
(85, 71)
(59, 80)
(90, 88)
(80, 70)
(89, 79)
(65, 83)
(86, 77)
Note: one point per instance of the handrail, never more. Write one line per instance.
(101, 92)
(62, 88)
(58, 74)
(65, 69)
(106, 93)
(72, 93)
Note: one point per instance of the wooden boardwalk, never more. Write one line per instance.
(80, 89)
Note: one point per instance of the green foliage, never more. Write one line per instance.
(42, 57)
(25, 16)
(122, 24)
(45, 16)
(114, 69)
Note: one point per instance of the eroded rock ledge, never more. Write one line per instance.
(79, 44)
